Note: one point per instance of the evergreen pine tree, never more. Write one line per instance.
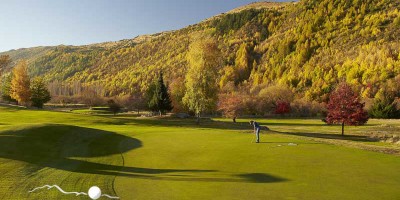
(160, 100)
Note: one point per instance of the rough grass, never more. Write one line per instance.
(136, 158)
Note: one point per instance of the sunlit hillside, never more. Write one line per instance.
(307, 46)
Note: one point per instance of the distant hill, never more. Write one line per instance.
(262, 5)
(308, 46)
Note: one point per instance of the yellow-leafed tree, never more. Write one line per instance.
(204, 59)
(20, 84)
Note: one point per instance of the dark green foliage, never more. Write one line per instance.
(384, 110)
(114, 106)
(160, 100)
(39, 93)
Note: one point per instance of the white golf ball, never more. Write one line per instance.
(94, 192)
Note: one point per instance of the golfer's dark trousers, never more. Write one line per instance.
(258, 134)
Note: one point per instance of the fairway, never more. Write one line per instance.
(145, 158)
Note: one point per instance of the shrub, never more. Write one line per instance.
(383, 110)
(114, 107)
(269, 96)
(282, 107)
(304, 108)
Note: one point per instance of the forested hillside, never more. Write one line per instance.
(300, 49)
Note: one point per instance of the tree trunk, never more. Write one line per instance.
(234, 119)
(198, 119)
(160, 113)
(342, 128)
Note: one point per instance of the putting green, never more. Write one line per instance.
(175, 159)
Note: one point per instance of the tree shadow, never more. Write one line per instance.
(291, 124)
(176, 122)
(73, 148)
(260, 178)
(297, 142)
(357, 138)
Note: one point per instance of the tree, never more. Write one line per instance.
(242, 63)
(20, 84)
(231, 105)
(138, 102)
(6, 88)
(114, 106)
(177, 91)
(344, 107)
(204, 60)
(40, 93)
(160, 100)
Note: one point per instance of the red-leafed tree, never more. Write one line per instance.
(231, 105)
(344, 107)
(282, 107)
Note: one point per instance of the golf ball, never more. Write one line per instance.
(94, 192)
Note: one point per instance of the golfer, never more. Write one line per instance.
(257, 128)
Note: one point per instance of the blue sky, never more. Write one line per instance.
(29, 23)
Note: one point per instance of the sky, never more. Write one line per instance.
(29, 23)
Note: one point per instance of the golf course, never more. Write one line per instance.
(166, 158)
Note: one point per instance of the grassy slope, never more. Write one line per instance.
(174, 159)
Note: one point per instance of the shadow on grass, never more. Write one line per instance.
(356, 138)
(289, 142)
(260, 178)
(302, 125)
(291, 124)
(70, 148)
(205, 123)
(175, 122)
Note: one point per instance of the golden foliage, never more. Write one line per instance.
(20, 84)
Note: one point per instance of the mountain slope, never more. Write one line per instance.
(308, 46)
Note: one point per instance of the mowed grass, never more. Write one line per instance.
(136, 158)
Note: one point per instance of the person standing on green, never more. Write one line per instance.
(257, 128)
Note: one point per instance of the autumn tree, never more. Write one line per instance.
(160, 100)
(231, 105)
(40, 93)
(243, 65)
(204, 60)
(344, 107)
(20, 84)
(177, 89)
